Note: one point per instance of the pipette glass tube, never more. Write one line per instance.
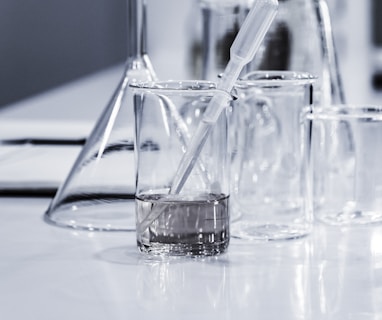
(243, 49)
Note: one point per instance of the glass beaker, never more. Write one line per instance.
(346, 153)
(270, 177)
(98, 193)
(194, 221)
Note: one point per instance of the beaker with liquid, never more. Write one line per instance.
(194, 221)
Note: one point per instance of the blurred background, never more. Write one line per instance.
(46, 43)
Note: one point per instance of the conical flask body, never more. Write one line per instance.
(98, 193)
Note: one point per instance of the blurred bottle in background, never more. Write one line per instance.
(221, 21)
(300, 39)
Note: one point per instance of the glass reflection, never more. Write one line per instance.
(182, 287)
(272, 279)
(350, 273)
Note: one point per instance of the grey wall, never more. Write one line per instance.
(44, 43)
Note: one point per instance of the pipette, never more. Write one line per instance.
(242, 51)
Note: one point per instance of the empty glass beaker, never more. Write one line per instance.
(346, 153)
(270, 177)
(98, 193)
(194, 221)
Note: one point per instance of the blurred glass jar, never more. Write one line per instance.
(221, 21)
(300, 39)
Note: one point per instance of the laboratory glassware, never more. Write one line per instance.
(299, 39)
(98, 193)
(243, 49)
(270, 181)
(346, 153)
(194, 221)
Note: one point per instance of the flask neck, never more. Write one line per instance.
(136, 28)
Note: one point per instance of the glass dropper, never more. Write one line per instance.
(243, 49)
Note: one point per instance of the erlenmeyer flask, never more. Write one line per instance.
(300, 39)
(98, 193)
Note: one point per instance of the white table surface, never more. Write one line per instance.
(48, 272)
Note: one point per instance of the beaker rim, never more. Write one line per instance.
(347, 112)
(188, 87)
(169, 85)
(270, 78)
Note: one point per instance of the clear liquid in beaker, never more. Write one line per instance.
(185, 227)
